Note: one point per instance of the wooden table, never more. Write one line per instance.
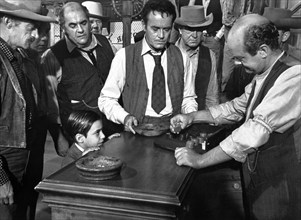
(150, 186)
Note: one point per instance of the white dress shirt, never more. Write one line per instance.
(279, 110)
(108, 100)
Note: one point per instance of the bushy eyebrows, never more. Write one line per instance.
(84, 21)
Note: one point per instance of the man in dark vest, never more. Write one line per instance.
(77, 66)
(153, 76)
(268, 141)
(191, 25)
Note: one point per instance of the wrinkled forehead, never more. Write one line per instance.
(75, 17)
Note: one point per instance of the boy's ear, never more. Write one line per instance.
(79, 138)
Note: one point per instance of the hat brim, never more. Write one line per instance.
(28, 15)
(99, 17)
(293, 23)
(208, 21)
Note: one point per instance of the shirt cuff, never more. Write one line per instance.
(121, 116)
(215, 113)
(230, 148)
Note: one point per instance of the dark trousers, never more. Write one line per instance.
(25, 169)
(273, 184)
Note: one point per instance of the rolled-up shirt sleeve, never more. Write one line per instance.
(111, 92)
(279, 110)
(232, 111)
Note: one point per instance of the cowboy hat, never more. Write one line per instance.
(193, 16)
(282, 18)
(29, 9)
(95, 9)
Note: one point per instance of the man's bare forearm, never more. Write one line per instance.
(203, 116)
(213, 157)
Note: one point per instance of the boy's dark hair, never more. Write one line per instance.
(162, 6)
(80, 122)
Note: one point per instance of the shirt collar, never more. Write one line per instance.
(180, 43)
(265, 73)
(71, 46)
(79, 147)
(146, 48)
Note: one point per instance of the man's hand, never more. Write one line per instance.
(188, 157)
(61, 145)
(115, 135)
(179, 122)
(129, 122)
(6, 194)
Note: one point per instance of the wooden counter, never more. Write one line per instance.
(151, 186)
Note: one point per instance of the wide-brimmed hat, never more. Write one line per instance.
(95, 9)
(29, 9)
(193, 16)
(282, 18)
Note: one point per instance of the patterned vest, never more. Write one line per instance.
(135, 93)
(81, 81)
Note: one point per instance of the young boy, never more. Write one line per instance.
(85, 128)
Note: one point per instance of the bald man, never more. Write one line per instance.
(268, 141)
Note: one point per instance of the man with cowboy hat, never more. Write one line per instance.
(283, 20)
(96, 18)
(191, 25)
(18, 107)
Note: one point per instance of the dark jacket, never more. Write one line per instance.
(12, 107)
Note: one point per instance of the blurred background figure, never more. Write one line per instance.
(41, 43)
(283, 20)
(97, 19)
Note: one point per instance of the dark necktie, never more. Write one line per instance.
(158, 89)
(91, 56)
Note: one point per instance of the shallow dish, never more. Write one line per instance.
(98, 167)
